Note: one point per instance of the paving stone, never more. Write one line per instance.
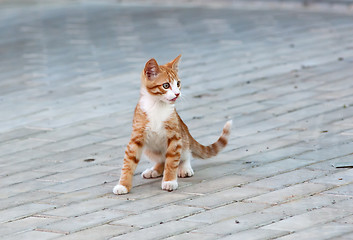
(256, 234)
(224, 197)
(23, 188)
(346, 236)
(12, 167)
(348, 220)
(271, 155)
(277, 167)
(22, 211)
(73, 143)
(61, 167)
(157, 216)
(82, 222)
(32, 235)
(76, 174)
(225, 212)
(329, 164)
(23, 225)
(300, 206)
(326, 231)
(345, 190)
(214, 185)
(287, 179)
(328, 153)
(25, 198)
(345, 204)
(81, 183)
(19, 133)
(308, 219)
(17, 145)
(63, 199)
(240, 223)
(289, 193)
(44, 158)
(19, 161)
(105, 231)
(160, 231)
(340, 178)
(152, 202)
(80, 208)
(68, 132)
(212, 171)
(21, 177)
(193, 235)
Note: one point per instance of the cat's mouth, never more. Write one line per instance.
(174, 99)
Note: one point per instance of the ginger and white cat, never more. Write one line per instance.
(160, 133)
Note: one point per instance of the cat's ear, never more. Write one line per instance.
(175, 63)
(151, 69)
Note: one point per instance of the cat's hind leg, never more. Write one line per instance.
(157, 170)
(185, 169)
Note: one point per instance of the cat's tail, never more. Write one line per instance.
(200, 151)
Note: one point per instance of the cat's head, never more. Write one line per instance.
(162, 81)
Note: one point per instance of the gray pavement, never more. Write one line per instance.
(69, 81)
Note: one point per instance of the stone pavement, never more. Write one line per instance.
(69, 81)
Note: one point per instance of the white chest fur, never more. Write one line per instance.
(157, 113)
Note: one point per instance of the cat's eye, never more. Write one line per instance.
(178, 84)
(166, 85)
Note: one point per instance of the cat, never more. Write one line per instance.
(159, 131)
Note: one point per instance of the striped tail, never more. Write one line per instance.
(200, 151)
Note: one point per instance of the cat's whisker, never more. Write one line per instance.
(182, 100)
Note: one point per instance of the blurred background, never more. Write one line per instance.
(59, 57)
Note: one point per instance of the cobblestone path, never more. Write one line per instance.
(69, 81)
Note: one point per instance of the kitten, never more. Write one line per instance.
(160, 132)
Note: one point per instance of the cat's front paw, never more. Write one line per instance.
(120, 189)
(169, 185)
(150, 173)
(185, 171)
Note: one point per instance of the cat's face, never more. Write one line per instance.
(161, 81)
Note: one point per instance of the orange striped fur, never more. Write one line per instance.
(159, 132)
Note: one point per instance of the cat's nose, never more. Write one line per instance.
(177, 94)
